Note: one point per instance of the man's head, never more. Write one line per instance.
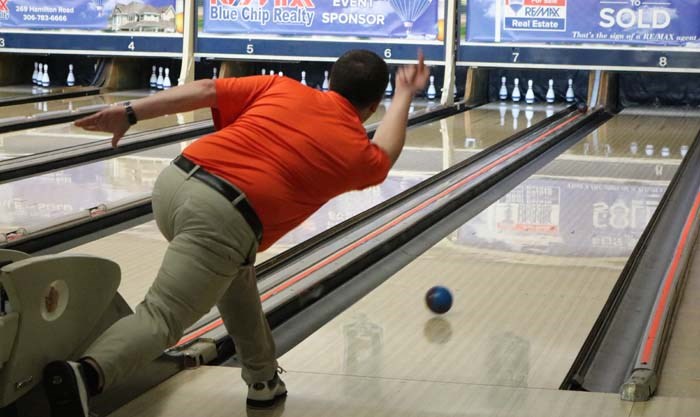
(361, 77)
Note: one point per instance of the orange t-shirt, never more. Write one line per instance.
(288, 147)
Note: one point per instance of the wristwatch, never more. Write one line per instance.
(130, 115)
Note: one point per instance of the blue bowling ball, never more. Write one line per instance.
(438, 299)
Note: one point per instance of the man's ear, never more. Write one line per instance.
(373, 108)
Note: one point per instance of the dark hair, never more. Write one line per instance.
(360, 76)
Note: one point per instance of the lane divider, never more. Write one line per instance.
(669, 279)
(349, 248)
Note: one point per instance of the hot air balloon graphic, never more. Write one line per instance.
(410, 11)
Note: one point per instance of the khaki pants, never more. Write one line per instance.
(209, 261)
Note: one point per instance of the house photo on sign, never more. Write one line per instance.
(107, 15)
(412, 19)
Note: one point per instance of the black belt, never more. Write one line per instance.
(227, 190)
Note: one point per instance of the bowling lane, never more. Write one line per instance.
(53, 137)
(529, 276)
(139, 250)
(416, 106)
(20, 92)
(19, 112)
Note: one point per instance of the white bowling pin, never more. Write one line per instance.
(154, 78)
(432, 93)
(665, 152)
(634, 148)
(214, 76)
(529, 94)
(39, 74)
(36, 71)
(166, 80)
(45, 81)
(303, 78)
(550, 92)
(326, 82)
(516, 114)
(272, 72)
(280, 74)
(503, 92)
(649, 150)
(684, 150)
(262, 72)
(159, 80)
(516, 91)
(389, 89)
(70, 81)
(570, 92)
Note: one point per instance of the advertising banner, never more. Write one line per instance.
(640, 22)
(109, 15)
(415, 19)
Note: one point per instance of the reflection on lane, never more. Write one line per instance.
(54, 137)
(68, 104)
(16, 92)
(128, 248)
(529, 275)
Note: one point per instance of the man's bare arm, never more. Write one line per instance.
(391, 134)
(191, 96)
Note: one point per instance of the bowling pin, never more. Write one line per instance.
(570, 92)
(665, 152)
(432, 93)
(516, 114)
(389, 89)
(214, 76)
(39, 74)
(502, 109)
(634, 148)
(262, 72)
(166, 80)
(326, 82)
(303, 78)
(45, 81)
(154, 79)
(70, 81)
(280, 74)
(503, 92)
(649, 150)
(684, 150)
(550, 92)
(159, 80)
(529, 94)
(36, 71)
(516, 91)
(272, 72)
(529, 112)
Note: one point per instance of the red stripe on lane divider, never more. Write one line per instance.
(344, 251)
(668, 281)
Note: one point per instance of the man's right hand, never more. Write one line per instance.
(413, 78)
(111, 120)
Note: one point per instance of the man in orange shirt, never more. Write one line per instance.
(281, 150)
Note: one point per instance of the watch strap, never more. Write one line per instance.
(130, 114)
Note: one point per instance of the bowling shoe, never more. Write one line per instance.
(64, 383)
(266, 394)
